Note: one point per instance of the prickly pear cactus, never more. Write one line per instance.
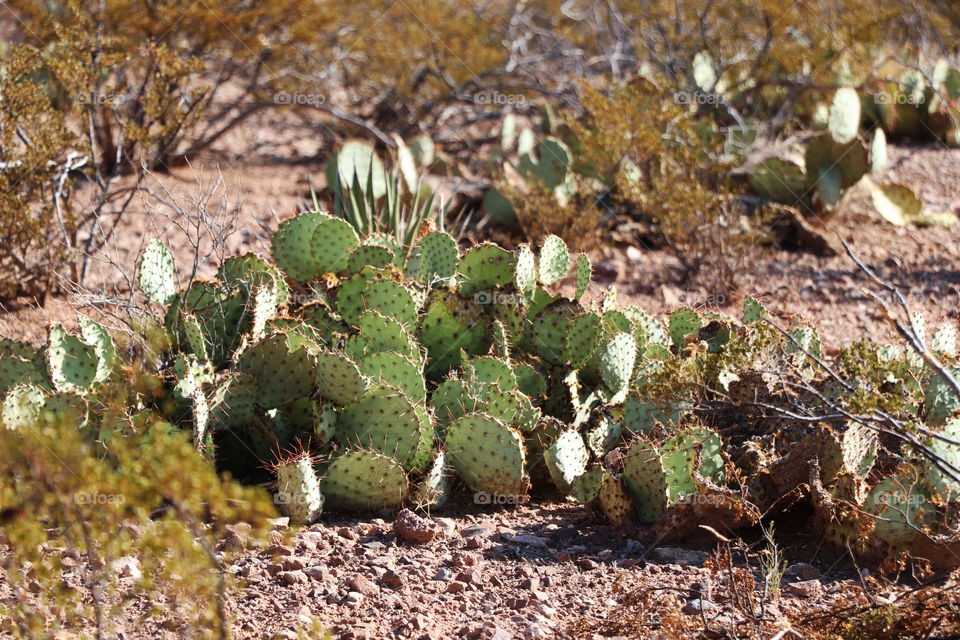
(298, 490)
(157, 275)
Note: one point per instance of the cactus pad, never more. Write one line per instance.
(157, 276)
(485, 267)
(487, 455)
(291, 245)
(646, 481)
(584, 273)
(298, 490)
(566, 458)
(72, 364)
(364, 480)
(554, 260)
(439, 257)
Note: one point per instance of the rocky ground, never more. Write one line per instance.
(542, 570)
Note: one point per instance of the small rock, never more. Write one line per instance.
(587, 564)
(533, 631)
(633, 546)
(392, 579)
(237, 536)
(278, 524)
(415, 529)
(474, 542)
(456, 587)
(361, 584)
(530, 584)
(448, 526)
(348, 533)
(317, 572)
(354, 598)
(801, 571)
(469, 576)
(292, 577)
(501, 634)
(290, 563)
(126, 567)
(517, 603)
(475, 530)
(527, 539)
(697, 605)
(444, 575)
(311, 540)
(804, 588)
(676, 555)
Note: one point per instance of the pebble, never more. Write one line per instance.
(676, 555)
(587, 564)
(126, 567)
(415, 529)
(475, 530)
(392, 579)
(354, 598)
(526, 539)
(699, 606)
(360, 584)
(804, 588)
(801, 571)
(444, 575)
(292, 577)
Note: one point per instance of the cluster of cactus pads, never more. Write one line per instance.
(367, 375)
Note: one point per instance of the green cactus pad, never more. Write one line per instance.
(554, 260)
(195, 338)
(646, 481)
(369, 256)
(617, 360)
(530, 382)
(647, 328)
(250, 272)
(585, 488)
(942, 484)
(525, 277)
(439, 257)
(753, 311)
(780, 180)
(944, 339)
(487, 455)
(71, 363)
(678, 458)
(584, 274)
(550, 168)
(369, 289)
(357, 160)
(15, 370)
(396, 370)
(583, 338)
(157, 276)
(939, 399)
(550, 330)
(604, 436)
(94, 334)
(17, 349)
(298, 490)
(339, 379)
(331, 243)
(499, 208)
(387, 421)
(902, 504)
(878, 151)
(65, 410)
(683, 322)
(435, 488)
(566, 458)
(22, 407)
(291, 245)
(490, 370)
(844, 122)
(485, 267)
(364, 480)
(450, 401)
(499, 340)
(232, 402)
(849, 158)
(452, 324)
(282, 373)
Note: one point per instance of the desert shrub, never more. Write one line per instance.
(150, 503)
(665, 165)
